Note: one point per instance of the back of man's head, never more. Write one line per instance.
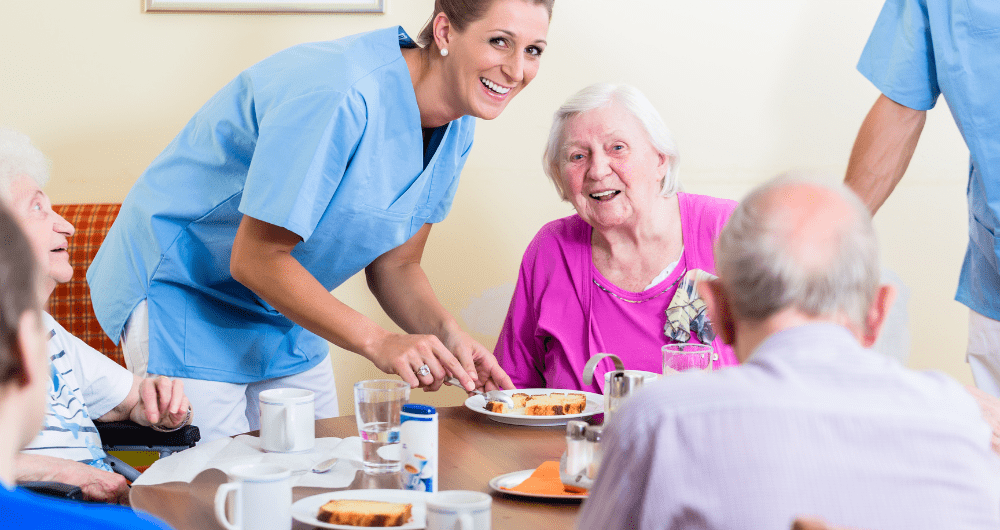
(19, 292)
(799, 244)
(19, 158)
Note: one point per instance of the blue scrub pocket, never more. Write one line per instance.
(984, 16)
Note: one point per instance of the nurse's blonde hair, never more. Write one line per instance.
(463, 12)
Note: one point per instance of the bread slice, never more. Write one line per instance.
(365, 513)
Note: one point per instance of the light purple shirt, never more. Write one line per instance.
(559, 317)
(811, 424)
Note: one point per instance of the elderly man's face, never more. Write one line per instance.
(610, 170)
(47, 231)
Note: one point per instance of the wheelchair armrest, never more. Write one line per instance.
(54, 489)
(128, 433)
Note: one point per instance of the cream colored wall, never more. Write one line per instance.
(750, 88)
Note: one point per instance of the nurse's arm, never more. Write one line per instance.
(399, 283)
(262, 261)
(882, 150)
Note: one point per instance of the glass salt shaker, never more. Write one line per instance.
(593, 435)
(575, 461)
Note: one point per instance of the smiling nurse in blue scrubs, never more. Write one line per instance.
(322, 160)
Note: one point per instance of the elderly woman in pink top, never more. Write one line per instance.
(601, 281)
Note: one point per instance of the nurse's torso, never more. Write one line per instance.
(965, 35)
(323, 139)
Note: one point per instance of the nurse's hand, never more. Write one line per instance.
(480, 362)
(404, 355)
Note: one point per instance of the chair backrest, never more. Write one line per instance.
(70, 302)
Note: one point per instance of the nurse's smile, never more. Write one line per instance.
(494, 88)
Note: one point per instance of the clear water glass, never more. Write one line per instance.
(679, 357)
(377, 405)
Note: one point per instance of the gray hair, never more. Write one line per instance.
(19, 158)
(632, 100)
(762, 266)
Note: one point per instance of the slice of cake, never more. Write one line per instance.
(544, 405)
(365, 513)
(575, 403)
(555, 404)
(520, 399)
(497, 406)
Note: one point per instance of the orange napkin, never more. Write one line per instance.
(545, 481)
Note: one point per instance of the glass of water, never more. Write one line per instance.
(377, 404)
(679, 357)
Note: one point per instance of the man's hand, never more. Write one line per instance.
(990, 407)
(479, 362)
(161, 402)
(97, 485)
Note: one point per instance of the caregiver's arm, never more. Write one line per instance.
(399, 283)
(262, 261)
(882, 150)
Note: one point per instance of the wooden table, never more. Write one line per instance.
(472, 450)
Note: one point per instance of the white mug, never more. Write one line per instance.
(262, 498)
(287, 420)
(459, 510)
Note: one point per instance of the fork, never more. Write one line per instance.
(492, 395)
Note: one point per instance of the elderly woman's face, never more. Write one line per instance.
(610, 171)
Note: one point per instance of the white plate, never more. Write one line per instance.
(511, 480)
(306, 510)
(595, 405)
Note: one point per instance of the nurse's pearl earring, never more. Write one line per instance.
(444, 52)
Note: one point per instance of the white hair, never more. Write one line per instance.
(764, 274)
(19, 158)
(632, 100)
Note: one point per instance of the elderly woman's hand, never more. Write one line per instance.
(480, 363)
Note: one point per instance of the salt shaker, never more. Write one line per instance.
(574, 462)
(593, 436)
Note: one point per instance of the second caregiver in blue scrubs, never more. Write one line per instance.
(322, 160)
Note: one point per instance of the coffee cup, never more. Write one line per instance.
(459, 510)
(287, 420)
(261, 498)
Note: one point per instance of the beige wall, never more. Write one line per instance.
(750, 88)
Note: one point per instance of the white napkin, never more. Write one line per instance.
(224, 453)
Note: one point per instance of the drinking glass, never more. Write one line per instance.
(679, 357)
(377, 404)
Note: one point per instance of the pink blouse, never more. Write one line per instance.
(564, 311)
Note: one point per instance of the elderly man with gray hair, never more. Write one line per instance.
(811, 422)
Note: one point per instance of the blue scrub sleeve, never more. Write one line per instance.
(302, 152)
(898, 58)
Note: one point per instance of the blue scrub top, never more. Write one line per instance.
(922, 48)
(323, 139)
